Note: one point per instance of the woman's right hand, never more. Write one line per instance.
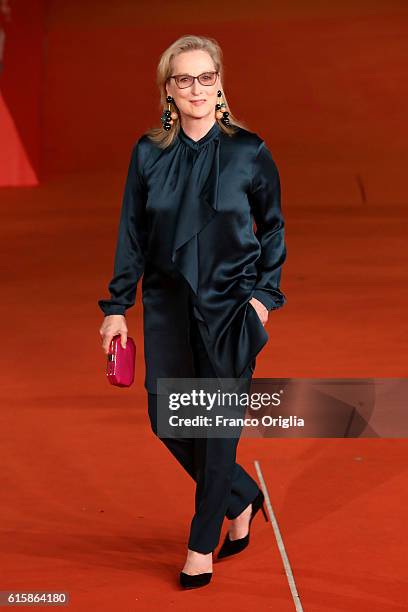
(111, 326)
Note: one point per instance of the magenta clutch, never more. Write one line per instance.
(120, 368)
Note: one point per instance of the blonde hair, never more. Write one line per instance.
(165, 138)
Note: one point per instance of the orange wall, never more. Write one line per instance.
(324, 85)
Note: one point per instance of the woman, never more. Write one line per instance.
(194, 188)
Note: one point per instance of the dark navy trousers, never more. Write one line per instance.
(223, 487)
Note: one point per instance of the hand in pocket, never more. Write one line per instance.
(261, 310)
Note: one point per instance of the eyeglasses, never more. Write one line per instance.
(186, 80)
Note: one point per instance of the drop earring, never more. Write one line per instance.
(220, 113)
(168, 117)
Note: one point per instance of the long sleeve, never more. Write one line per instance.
(265, 200)
(131, 241)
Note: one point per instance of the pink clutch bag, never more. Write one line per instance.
(120, 368)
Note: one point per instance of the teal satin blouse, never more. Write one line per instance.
(187, 226)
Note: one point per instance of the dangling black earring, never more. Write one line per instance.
(168, 117)
(220, 114)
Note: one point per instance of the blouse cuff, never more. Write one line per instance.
(270, 302)
(111, 309)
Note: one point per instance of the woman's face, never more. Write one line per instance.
(194, 63)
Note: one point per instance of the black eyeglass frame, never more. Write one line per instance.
(174, 76)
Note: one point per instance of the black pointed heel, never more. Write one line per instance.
(189, 581)
(232, 547)
(264, 512)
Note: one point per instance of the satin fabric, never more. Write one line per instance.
(187, 226)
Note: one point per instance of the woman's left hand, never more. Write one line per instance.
(261, 310)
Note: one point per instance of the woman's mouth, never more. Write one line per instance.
(197, 102)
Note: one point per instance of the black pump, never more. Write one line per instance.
(232, 547)
(189, 581)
